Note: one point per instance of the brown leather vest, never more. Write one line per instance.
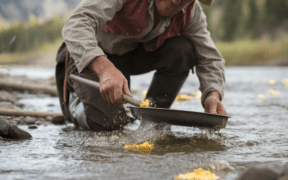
(130, 21)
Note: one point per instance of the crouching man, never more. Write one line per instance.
(108, 41)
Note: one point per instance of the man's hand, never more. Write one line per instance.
(213, 104)
(112, 81)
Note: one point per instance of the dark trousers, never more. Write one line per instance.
(172, 62)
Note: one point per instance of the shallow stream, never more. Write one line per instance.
(256, 134)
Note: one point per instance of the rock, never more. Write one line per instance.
(4, 127)
(271, 171)
(6, 96)
(38, 123)
(30, 120)
(285, 174)
(49, 118)
(58, 120)
(8, 117)
(12, 131)
(6, 105)
(18, 120)
(17, 133)
(21, 105)
(41, 119)
(32, 127)
(13, 122)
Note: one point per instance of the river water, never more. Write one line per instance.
(256, 134)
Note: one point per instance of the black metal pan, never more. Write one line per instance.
(170, 116)
(181, 118)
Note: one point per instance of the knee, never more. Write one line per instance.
(180, 45)
(179, 54)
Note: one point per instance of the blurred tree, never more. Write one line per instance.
(276, 11)
(252, 22)
(207, 11)
(232, 11)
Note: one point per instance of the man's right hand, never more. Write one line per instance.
(112, 82)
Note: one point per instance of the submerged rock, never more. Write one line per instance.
(17, 133)
(32, 127)
(12, 131)
(273, 171)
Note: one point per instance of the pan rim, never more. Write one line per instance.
(184, 111)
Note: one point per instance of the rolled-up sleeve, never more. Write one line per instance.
(80, 31)
(211, 64)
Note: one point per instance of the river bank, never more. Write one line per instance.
(262, 52)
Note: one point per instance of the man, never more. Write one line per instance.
(108, 41)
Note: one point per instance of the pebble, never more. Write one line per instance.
(49, 118)
(32, 127)
(38, 123)
(18, 120)
(6, 105)
(58, 120)
(41, 119)
(30, 120)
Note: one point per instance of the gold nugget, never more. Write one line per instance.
(183, 97)
(145, 103)
(198, 174)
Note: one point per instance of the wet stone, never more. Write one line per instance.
(30, 120)
(4, 127)
(13, 122)
(38, 123)
(6, 96)
(32, 127)
(21, 105)
(6, 105)
(250, 143)
(41, 119)
(17, 119)
(58, 120)
(271, 171)
(17, 133)
(8, 117)
(49, 118)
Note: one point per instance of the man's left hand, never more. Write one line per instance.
(213, 104)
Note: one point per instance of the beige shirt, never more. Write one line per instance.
(85, 40)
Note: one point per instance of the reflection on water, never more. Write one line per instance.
(256, 134)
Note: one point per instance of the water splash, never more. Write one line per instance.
(211, 133)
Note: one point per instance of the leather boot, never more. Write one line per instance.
(164, 89)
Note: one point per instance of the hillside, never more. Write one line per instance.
(19, 10)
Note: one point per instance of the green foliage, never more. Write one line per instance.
(207, 11)
(252, 23)
(32, 34)
(232, 12)
(276, 11)
(253, 52)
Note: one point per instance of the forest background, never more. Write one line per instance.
(246, 32)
